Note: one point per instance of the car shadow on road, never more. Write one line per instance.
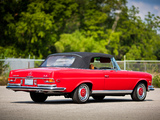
(69, 101)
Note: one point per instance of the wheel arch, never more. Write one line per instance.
(89, 83)
(142, 81)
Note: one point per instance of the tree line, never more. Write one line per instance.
(42, 27)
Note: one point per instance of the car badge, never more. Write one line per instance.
(45, 75)
(15, 75)
(30, 73)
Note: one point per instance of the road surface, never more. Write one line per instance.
(19, 106)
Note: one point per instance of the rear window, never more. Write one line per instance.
(58, 61)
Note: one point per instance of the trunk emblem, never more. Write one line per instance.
(30, 74)
(15, 75)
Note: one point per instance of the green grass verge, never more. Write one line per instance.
(3, 80)
(156, 81)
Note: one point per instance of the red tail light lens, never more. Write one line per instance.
(11, 79)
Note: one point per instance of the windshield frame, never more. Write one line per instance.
(115, 64)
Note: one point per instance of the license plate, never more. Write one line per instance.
(28, 81)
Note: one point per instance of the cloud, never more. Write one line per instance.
(157, 9)
(145, 7)
(151, 2)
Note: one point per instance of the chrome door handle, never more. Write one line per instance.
(106, 76)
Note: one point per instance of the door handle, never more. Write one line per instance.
(106, 76)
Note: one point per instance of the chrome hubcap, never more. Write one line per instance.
(83, 92)
(141, 91)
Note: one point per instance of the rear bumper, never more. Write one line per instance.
(150, 88)
(41, 88)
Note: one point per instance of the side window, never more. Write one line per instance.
(101, 63)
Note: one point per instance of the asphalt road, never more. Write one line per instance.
(19, 106)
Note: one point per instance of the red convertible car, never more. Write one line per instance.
(79, 75)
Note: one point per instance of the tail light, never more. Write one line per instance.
(49, 80)
(11, 79)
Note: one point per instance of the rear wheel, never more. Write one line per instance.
(81, 94)
(38, 97)
(98, 98)
(139, 93)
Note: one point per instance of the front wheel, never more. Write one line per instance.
(81, 94)
(139, 93)
(38, 97)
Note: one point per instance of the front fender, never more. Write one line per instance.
(141, 80)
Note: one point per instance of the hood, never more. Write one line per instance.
(139, 74)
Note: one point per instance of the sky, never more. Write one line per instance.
(146, 6)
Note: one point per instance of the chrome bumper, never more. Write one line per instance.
(40, 88)
(150, 88)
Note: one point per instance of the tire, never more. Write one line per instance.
(98, 98)
(38, 97)
(81, 94)
(139, 93)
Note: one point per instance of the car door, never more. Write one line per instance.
(117, 80)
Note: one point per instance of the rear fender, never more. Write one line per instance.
(85, 82)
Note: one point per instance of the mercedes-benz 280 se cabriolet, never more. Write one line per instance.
(79, 75)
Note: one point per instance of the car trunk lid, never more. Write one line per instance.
(35, 72)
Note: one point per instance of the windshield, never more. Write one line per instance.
(58, 61)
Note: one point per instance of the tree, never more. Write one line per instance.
(39, 28)
(137, 38)
(10, 13)
(78, 42)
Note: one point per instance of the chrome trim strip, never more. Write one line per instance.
(31, 78)
(46, 85)
(150, 88)
(13, 84)
(111, 91)
(36, 89)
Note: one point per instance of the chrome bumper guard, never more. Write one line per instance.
(41, 88)
(150, 88)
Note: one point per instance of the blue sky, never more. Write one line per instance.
(146, 6)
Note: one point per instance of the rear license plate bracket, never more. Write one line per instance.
(28, 82)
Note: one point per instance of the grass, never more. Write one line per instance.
(3, 80)
(156, 81)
